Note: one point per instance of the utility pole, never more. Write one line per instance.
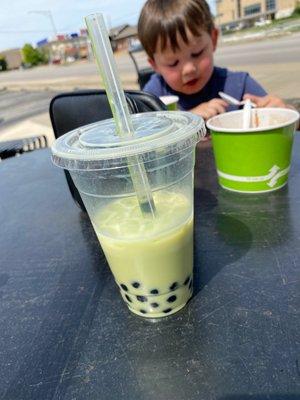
(48, 14)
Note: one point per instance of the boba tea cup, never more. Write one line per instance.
(254, 160)
(151, 258)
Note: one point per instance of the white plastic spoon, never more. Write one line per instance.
(247, 114)
(232, 100)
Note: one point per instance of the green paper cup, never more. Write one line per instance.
(171, 102)
(255, 160)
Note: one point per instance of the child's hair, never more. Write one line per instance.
(163, 19)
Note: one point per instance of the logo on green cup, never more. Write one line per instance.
(274, 174)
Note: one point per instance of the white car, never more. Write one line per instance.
(262, 22)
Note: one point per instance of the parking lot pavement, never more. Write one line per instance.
(24, 114)
(35, 126)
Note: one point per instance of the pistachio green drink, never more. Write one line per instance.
(150, 258)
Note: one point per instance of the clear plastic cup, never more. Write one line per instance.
(151, 258)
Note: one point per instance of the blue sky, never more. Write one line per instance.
(20, 25)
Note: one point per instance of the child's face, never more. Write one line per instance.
(189, 68)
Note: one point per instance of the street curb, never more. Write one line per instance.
(64, 85)
(255, 36)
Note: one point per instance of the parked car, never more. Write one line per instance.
(262, 22)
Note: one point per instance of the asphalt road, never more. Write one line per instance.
(260, 52)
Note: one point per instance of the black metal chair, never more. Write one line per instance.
(144, 73)
(14, 148)
(69, 111)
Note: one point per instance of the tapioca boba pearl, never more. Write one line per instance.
(136, 285)
(186, 281)
(171, 299)
(174, 286)
(124, 287)
(154, 291)
(143, 311)
(142, 299)
(167, 310)
(154, 305)
(128, 298)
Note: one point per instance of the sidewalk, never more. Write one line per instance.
(36, 126)
(265, 32)
(41, 124)
(280, 79)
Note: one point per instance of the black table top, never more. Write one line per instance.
(66, 334)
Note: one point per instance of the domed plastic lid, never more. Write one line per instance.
(99, 141)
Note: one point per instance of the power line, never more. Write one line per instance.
(24, 31)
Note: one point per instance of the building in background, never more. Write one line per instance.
(122, 36)
(71, 47)
(236, 14)
(13, 58)
(65, 48)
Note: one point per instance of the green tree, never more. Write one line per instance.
(296, 13)
(3, 64)
(33, 56)
(44, 55)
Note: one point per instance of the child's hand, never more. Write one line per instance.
(269, 101)
(266, 101)
(210, 108)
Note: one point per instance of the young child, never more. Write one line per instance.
(180, 38)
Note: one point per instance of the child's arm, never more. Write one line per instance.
(210, 108)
